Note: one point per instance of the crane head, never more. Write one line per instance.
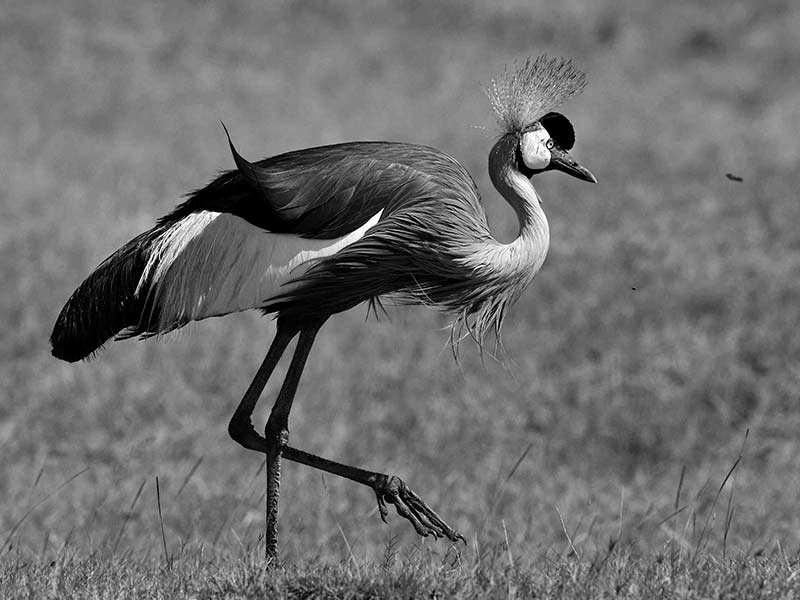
(544, 145)
(523, 99)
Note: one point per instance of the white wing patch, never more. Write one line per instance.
(212, 263)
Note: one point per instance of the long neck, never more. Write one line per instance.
(529, 249)
(503, 271)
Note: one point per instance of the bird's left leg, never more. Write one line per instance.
(387, 488)
(277, 432)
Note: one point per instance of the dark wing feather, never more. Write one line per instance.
(320, 193)
(323, 192)
(106, 302)
(431, 222)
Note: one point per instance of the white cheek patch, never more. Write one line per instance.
(535, 154)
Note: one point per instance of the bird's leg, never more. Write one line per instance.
(387, 488)
(240, 427)
(276, 433)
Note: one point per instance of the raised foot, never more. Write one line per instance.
(410, 506)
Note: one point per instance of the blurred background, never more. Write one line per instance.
(661, 329)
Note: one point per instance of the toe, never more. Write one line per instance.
(412, 508)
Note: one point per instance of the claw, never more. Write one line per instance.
(412, 508)
(384, 512)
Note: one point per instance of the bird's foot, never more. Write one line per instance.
(411, 507)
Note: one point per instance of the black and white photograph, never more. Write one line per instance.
(400, 299)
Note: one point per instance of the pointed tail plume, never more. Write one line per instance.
(105, 304)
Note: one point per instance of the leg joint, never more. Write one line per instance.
(276, 434)
(244, 434)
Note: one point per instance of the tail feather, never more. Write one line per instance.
(105, 304)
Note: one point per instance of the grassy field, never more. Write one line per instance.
(616, 574)
(662, 329)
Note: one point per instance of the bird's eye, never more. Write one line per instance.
(550, 144)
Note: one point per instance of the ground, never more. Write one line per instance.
(658, 344)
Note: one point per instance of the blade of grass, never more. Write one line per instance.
(128, 517)
(499, 490)
(672, 514)
(566, 533)
(36, 480)
(680, 486)
(161, 522)
(38, 504)
(508, 546)
(189, 475)
(730, 507)
(240, 501)
(349, 550)
(704, 531)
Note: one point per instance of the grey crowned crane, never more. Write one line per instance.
(311, 233)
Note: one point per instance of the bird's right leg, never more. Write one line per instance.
(240, 427)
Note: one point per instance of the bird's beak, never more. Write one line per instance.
(561, 160)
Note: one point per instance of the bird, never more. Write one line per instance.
(310, 233)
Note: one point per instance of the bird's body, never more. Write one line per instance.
(323, 230)
(315, 232)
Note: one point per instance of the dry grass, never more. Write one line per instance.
(421, 574)
(662, 327)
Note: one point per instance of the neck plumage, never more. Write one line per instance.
(501, 272)
(527, 252)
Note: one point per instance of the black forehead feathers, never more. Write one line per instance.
(560, 129)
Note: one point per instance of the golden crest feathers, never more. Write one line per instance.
(532, 88)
